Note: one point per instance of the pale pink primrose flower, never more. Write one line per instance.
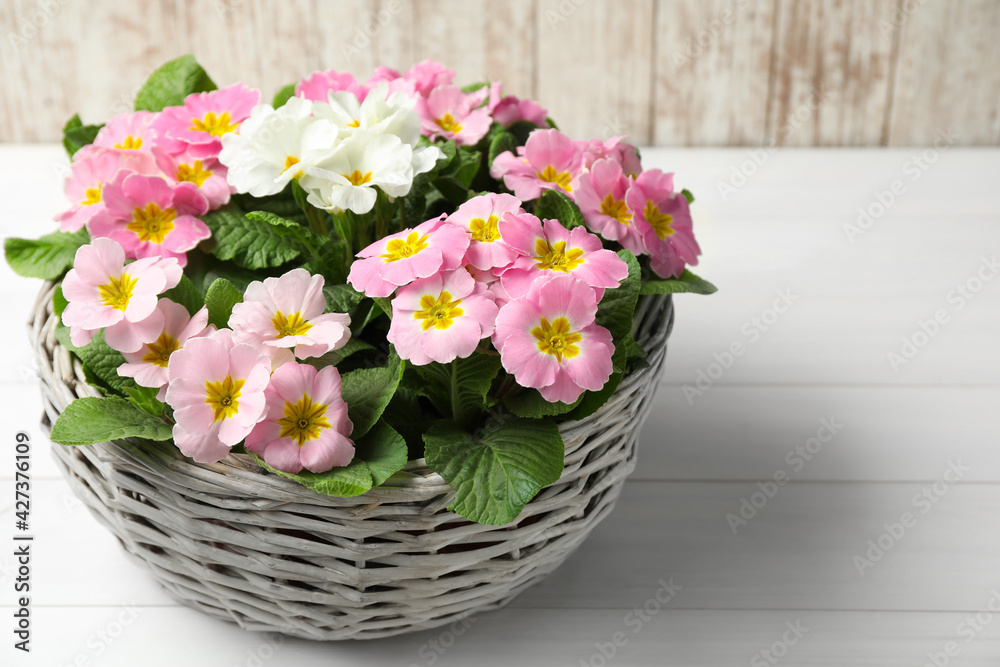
(615, 149)
(428, 75)
(480, 216)
(208, 174)
(283, 317)
(550, 249)
(128, 131)
(104, 292)
(601, 198)
(401, 258)
(306, 424)
(663, 217)
(318, 85)
(548, 340)
(448, 113)
(511, 109)
(491, 281)
(148, 365)
(549, 160)
(216, 388)
(91, 170)
(151, 218)
(441, 318)
(198, 124)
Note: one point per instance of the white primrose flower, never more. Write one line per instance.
(274, 146)
(379, 113)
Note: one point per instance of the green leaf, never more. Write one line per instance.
(341, 298)
(86, 421)
(187, 295)
(452, 190)
(473, 87)
(250, 244)
(76, 135)
(616, 309)
(220, 298)
(460, 389)
(351, 480)
(496, 471)
(522, 129)
(59, 302)
(145, 399)
(687, 282)
(503, 141)
(554, 205)
(48, 257)
(283, 96)
(98, 357)
(384, 450)
(171, 83)
(687, 195)
(385, 303)
(463, 166)
(529, 403)
(368, 390)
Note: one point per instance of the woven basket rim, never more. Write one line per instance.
(652, 325)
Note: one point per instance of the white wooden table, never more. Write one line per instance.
(880, 546)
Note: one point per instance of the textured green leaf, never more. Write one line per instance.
(76, 135)
(48, 257)
(86, 421)
(503, 141)
(250, 244)
(460, 389)
(283, 96)
(341, 298)
(220, 298)
(59, 302)
(529, 403)
(171, 83)
(687, 282)
(497, 470)
(145, 399)
(187, 295)
(554, 205)
(368, 390)
(617, 308)
(98, 357)
(384, 450)
(345, 482)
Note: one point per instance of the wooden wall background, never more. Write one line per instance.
(665, 72)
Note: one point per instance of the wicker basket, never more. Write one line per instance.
(271, 555)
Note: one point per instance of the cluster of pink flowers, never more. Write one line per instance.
(148, 177)
(446, 112)
(220, 382)
(621, 202)
(492, 270)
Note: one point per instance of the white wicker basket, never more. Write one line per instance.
(258, 549)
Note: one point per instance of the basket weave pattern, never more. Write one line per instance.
(271, 555)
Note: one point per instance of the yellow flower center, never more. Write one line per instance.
(448, 124)
(303, 420)
(193, 173)
(484, 231)
(152, 223)
(160, 350)
(224, 396)
(290, 161)
(660, 222)
(357, 178)
(398, 249)
(560, 178)
(438, 313)
(555, 258)
(117, 292)
(557, 339)
(92, 196)
(130, 144)
(214, 125)
(616, 208)
(354, 123)
(290, 325)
